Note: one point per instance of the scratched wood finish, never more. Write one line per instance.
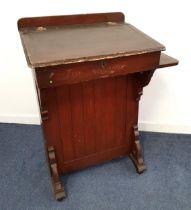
(86, 42)
(75, 73)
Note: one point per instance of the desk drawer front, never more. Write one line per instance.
(80, 72)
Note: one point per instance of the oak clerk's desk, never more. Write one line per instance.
(89, 72)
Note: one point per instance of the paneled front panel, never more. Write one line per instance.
(93, 121)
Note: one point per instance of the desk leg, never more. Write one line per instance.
(57, 185)
(136, 155)
(142, 79)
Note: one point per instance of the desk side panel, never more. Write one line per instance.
(50, 122)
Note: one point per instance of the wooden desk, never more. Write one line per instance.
(89, 71)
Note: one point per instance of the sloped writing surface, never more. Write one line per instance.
(47, 46)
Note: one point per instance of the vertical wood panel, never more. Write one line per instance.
(77, 119)
(99, 92)
(133, 99)
(121, 85)
(96, 116)
(132, 109)
(89, 117)
(51, 126)
(65, 122)
(110, 112)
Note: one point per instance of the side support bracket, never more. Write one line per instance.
(136, 155)
(57, 185)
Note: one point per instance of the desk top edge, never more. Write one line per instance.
(88, 59)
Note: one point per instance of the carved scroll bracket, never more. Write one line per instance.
(143, 79)
(57, 185)
(139, 94)
(136, 155)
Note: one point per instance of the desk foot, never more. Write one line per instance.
(136, 155)
(57, 185)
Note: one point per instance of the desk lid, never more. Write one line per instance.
(55, 44)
